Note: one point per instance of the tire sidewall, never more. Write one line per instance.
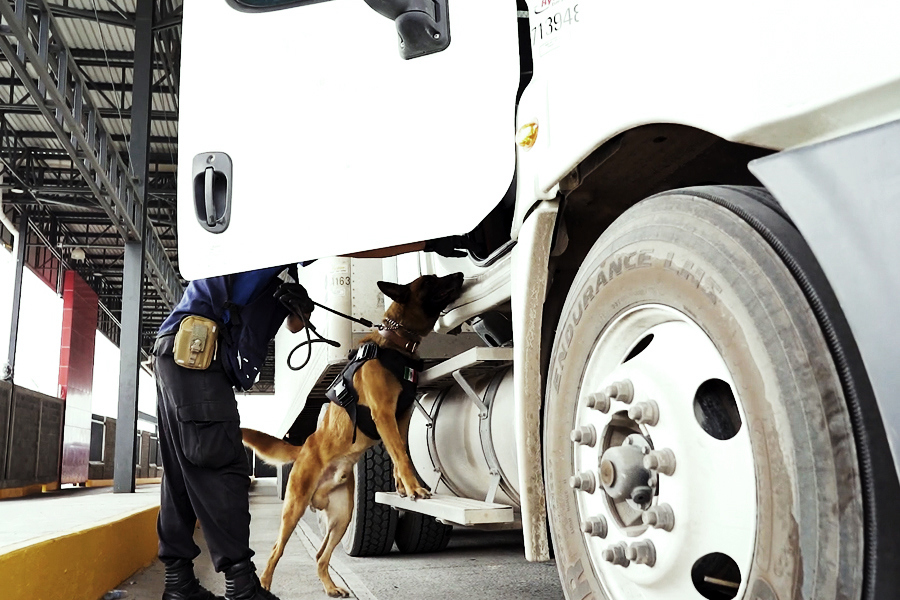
(684, 253)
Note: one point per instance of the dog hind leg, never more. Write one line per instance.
(337, 513)
(301, 485)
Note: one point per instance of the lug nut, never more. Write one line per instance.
(598, 401)
(645, 412)
(586, 482)
(615, 554)
(660, 460)
(642, 552)
(660, 517)
(586, 435)
(595, 526)
(623, 391)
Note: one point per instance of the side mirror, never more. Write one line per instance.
(423, 25)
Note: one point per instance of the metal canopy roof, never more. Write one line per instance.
(66, 73)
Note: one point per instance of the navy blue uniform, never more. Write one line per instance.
(206, 475)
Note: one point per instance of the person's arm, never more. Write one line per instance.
(450, 246)
(247, 286)
(389, 251)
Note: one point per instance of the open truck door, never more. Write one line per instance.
(356, 114)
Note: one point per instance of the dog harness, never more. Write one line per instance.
(342, 392)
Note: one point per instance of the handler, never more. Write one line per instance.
(214, 340)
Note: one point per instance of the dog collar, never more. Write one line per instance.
(390, 330)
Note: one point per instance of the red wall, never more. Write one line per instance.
(76, 374)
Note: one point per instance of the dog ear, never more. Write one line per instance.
(395, 291)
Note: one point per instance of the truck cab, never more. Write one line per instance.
(662, 360)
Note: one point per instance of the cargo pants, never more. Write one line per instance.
(206, 475)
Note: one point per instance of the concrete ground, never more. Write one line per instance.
(27, 520)
(489, 565)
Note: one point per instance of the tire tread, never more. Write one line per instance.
(375, 524)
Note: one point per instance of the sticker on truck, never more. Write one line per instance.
(549, 20)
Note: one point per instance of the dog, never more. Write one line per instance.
(322, 476)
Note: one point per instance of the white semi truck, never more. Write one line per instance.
(675, 360)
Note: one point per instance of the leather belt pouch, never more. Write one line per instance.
(195, 342)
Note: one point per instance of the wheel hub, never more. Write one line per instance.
(646, 523)
(622, 471)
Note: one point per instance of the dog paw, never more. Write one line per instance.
(337, 592)
(266, 581)
(420, 492)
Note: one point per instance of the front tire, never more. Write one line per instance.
(730, 373)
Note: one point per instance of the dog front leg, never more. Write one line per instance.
(403, 424)
(386, 424)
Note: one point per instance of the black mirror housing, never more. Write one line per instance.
(422, 25)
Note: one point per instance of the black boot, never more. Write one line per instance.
(181, 584)
(241, 583)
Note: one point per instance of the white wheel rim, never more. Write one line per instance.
(712, 491)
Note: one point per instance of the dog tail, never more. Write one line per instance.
(271, 449)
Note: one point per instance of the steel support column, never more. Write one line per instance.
(21, 245)
(133, 275)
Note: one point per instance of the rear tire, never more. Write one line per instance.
(418, 533)
(372, 526)
(689, 303)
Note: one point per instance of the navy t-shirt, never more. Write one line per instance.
(261, 316)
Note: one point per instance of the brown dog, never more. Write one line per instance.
(322, 476)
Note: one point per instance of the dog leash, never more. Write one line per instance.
(309, 327)
(364, 322)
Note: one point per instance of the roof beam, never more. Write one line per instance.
(158, 158)
(116, 137)
(99, 86)
(119, 19)
(46, 185)
(106, 113)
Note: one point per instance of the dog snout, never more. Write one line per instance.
(453, 280)
(450, 286)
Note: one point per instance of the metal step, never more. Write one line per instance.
(451, 509)
(470, 363)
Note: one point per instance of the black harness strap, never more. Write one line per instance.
(342, 392)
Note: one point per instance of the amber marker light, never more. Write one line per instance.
(527, 135)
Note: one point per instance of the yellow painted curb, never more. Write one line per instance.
(20, 492)
(92, 483)
(83, 565)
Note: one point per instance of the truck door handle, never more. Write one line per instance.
(211, 176)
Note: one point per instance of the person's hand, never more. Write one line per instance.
(295, 298)
(453, 246)
(295, 323)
